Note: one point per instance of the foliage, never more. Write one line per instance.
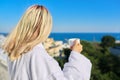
(107, 41)
(117, 44)
(105, 66)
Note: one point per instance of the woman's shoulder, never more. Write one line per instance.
(36, 51)
(40, 51)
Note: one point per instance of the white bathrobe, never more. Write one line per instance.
(38, 65)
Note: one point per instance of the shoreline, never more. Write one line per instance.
(91, 37)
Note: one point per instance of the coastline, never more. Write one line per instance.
(87, 36)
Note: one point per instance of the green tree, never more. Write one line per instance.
(107, 41)
(104, 66)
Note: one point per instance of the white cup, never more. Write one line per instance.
(71, 41)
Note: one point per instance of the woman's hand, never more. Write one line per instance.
(77, 46)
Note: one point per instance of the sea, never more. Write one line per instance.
(92, 37)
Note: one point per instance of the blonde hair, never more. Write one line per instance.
(33, 28)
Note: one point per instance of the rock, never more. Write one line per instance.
(3, 71)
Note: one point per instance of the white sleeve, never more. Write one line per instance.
(77, 68)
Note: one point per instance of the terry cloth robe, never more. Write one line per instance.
(37, 64)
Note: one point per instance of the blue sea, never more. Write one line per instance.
(93, 37)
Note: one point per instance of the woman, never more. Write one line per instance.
(28, 59)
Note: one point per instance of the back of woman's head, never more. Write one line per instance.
(33, 28)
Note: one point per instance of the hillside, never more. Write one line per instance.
(105, 65)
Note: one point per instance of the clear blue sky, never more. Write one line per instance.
(68, 15)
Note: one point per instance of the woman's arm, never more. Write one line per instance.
(78, 67)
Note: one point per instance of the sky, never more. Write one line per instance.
(68, 15)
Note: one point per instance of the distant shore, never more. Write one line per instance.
(93, 37)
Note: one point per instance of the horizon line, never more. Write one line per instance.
(68, 32)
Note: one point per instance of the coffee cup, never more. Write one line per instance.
(72, 40)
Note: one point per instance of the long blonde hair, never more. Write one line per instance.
(36, 20)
